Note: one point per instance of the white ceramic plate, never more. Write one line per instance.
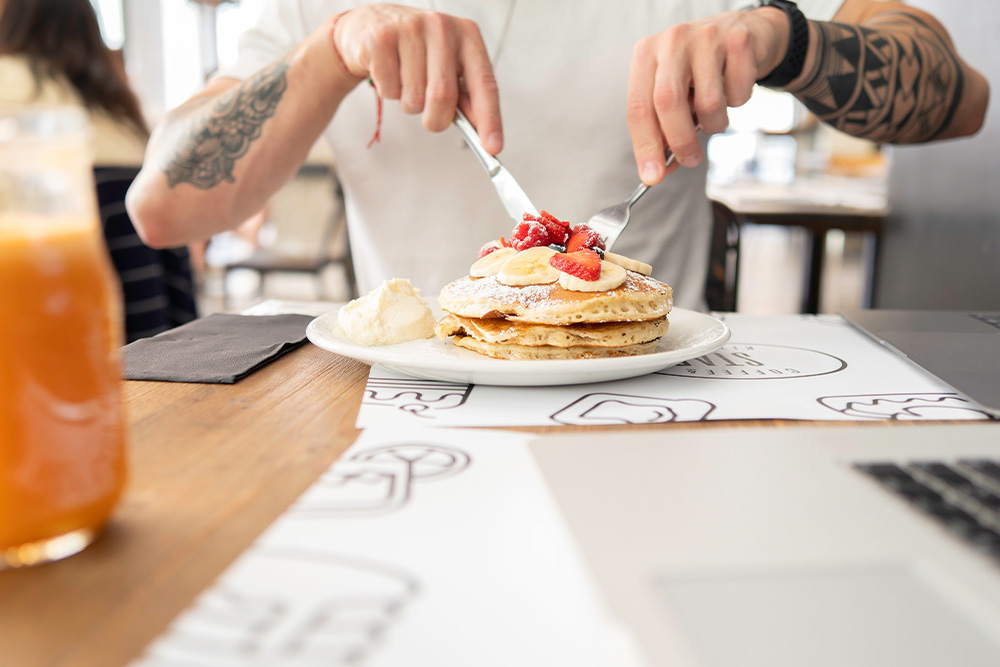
(691, 334)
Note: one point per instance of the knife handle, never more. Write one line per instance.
(490, 163)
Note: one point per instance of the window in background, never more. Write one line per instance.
(232, 20)
(767, 111)
(774, 139)
(758, 144)
(109, 15)
(181, 54)
(185, 66)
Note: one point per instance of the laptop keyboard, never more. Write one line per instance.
(962, 496)
(992, 319)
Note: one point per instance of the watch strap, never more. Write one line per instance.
(798, 44)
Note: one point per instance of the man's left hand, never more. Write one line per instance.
(689, 74)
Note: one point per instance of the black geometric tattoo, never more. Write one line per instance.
(235, 122)
(895, 79)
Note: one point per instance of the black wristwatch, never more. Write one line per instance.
(798, 44)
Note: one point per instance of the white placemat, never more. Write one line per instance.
(414, 549)
(779, 367)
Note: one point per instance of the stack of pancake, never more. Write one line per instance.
(549, 322)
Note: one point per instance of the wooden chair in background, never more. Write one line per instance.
(722, 281)
(311, 234)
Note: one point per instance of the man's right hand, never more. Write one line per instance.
(217, 159)
(430, 62)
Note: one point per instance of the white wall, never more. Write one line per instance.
(942, 246)
(144, 53)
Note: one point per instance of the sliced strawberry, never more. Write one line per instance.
(529, 235)
(545, 215)
(558, 229)
(582, 237)
(584, 264)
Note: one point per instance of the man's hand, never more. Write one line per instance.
(687, 76)
(430, 62)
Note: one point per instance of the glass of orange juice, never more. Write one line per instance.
(62, 428)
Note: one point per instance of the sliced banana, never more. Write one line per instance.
(490, 265)
(628, 263)
(529, 267)
(612, 276)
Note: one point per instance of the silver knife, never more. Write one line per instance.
(513, 197)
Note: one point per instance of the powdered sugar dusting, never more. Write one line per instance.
(489, 289)
(638, 281)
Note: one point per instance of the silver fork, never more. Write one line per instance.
(610, 222)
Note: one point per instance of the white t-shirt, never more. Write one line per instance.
(419, 205)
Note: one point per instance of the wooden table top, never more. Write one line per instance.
(211, 467)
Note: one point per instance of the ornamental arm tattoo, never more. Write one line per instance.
(895, 79)
(209, 151)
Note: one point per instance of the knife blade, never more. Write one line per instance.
(511, 194)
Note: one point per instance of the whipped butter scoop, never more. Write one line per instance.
(394, 312)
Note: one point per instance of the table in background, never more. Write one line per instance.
(816, 205)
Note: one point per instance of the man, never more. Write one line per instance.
(588, 93)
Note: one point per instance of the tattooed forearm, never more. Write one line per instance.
(210, 152)
(893, 80)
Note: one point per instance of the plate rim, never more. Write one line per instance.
(509, 369)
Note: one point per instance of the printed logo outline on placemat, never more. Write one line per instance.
(357, 602)
(743, 361)
(378, 481)
(420, 398)
(611, 408)
(904, 407)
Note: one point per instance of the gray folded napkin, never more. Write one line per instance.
(219, 349)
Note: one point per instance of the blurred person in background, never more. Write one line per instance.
(591, 95)
(52, 53)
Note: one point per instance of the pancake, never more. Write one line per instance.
(639, 298)
(596, 335)
(527, 352)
